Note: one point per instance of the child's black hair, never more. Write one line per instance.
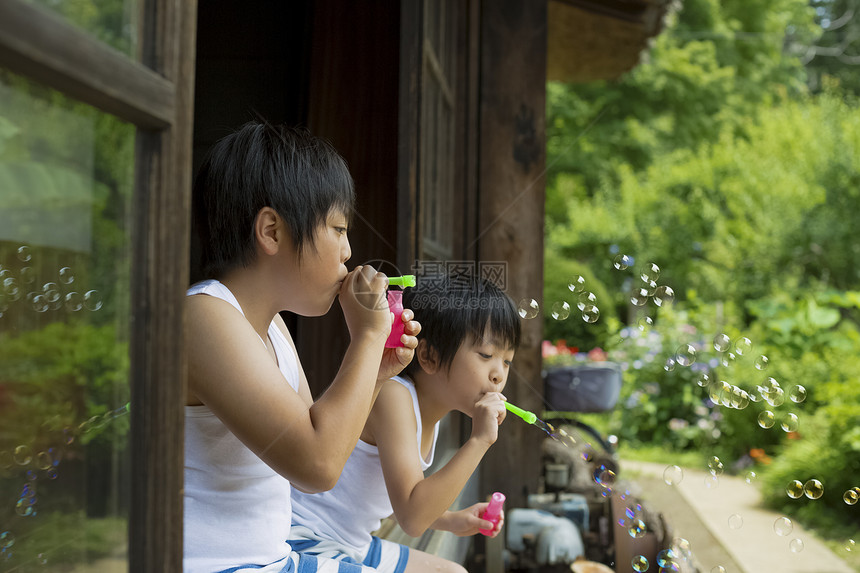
(300, 176)
(451, 309)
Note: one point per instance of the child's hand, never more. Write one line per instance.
(468, 521)
(395, 359)
(489, 412)
(365, 306)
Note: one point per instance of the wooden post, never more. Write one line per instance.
(511, 214)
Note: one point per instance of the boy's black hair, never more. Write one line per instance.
(300, 176)
(451, 309)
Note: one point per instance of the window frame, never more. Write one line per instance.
(156, 95)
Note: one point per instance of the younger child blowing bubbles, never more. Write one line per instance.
(470, 331)
(272, 206)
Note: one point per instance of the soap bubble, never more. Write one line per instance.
(765, 419)
(797, 394)
(586, 298)
(93, 300)
(23, 507)
(74, 301)
(790, 423)
(850, 497)
(769, 385)
(44, 460)
(686, 355)
(604, 476)
(669, 365)
(24, 253)
(7, 540)
(528, 308)
(736, 521)
(682, 546)
(794, 489)
(775, 398)
(560, 310)
(712, 481)
(796, 545)
(666, 559)
(590, 313)
(743, 346)
(664, 295)
(28, 275)
(782, 526)
(673, 475)
(728, 359)
(639, 297)
(813, 489)
(722, 342)
(750, 477)
(621, 262)
(649, 273)
(577, 285)
(850, 545)
(41, 559)
(645, 323)
(640, 563)
(715, 466)
(703, 379)
(22, 455)
(67, 276)
(637, 529)
(718, 569)
(762, 362)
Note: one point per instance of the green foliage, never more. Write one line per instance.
(60, 376)
(731, 160)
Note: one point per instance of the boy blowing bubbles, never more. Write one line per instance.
(470, 331)
(272, 207)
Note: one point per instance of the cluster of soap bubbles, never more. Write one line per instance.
(851, 496)
(51, 295)
(632, 521)
(586, 304)
(647, 288)
(44, 463)
(669, 560)
(605, 477)
(812, 489)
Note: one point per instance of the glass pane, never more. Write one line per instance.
(66, 178)
(113, 22)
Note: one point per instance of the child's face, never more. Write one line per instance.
(322, 267)
(480, 366)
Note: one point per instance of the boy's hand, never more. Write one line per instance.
(488, 414)
(365, 306)
(468, 521)
(394, 360)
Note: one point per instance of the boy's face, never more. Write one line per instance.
(322, 267)
(479, 366)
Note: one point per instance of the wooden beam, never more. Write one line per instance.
(511, 225)
(41, 45)
(159, 279)
(408, 120)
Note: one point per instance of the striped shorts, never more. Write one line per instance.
(381, 555)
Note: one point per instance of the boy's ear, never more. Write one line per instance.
(269, 230)
(427, 357)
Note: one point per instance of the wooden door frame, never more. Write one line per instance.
(156, 95)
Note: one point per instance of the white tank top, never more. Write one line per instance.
(237, 508)
(355, 507)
